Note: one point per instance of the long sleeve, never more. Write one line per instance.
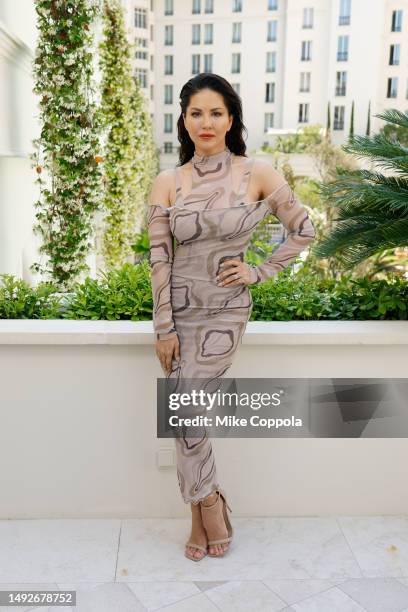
(290, 212)
(161, 260)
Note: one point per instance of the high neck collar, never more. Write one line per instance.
(210, 160)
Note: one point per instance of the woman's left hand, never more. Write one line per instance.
(234, 272)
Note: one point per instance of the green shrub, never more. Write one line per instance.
(20, 301)
(126, 294)
(300, 296)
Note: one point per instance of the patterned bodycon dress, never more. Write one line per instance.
(211, 224)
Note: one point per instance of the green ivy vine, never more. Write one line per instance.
(67, 153)
(129, 154)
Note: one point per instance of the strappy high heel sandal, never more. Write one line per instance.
(213, 511)
(205, 550)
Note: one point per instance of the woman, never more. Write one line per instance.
(211, 203)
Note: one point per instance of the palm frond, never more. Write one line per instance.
(367, 190)
(371, 208)
(345, 232)
(356, 240)
(397, 182)
(375, 200)
(393, 115)
(396, 233)
(388, 153)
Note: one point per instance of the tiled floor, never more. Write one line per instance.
(342, 564)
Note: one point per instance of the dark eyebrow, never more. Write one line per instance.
(216, 108)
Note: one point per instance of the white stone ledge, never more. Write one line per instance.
(70, 332)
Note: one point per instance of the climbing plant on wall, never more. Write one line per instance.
(127, 148)
(67, 152)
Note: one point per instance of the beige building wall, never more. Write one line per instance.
(366, 64)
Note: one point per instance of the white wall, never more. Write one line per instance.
(19, 127)
(78, 423)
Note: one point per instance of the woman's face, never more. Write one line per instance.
(207, 114)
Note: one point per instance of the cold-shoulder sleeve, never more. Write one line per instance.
(300, 232)
(161, 261)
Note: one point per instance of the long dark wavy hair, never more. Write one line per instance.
(233, 138)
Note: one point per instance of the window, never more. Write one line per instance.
(141, 76)
(268, 121)
(307, 18)
(236, 6)
(392, 87)
(152, 62)
(141, 43)
(396, 23)
(141, 55)
(270, 92)
(196, 7)
(303, 113)
(168, 122)
(208, 62)
(168, 64)
(271, 61)
(151, 92)
(342, 48)
(168, 34)
(151, 6)
(272, 5)
(168, 7)
(236, 62)
(237, 87)
(209, 6)
(195, 63)
(272, 28)
(151, 33)
(304, 81)
(338, 122)
(344, 13)
(140, 18)
(306, 53)
(168, 94)
(236, 32)
(196, 34)
(168, 147)
(208, 33)
(341, 83)
(394, 55)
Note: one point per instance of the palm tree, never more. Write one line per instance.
(372, 207)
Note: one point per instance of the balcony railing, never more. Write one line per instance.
(342, 56)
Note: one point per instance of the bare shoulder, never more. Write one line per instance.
(267, 177)
(161, 188)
